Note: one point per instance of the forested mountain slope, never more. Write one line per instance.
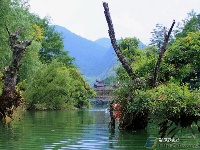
(93, 58)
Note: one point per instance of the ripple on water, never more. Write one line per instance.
(74, 129)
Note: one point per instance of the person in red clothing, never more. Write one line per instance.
(116, 111)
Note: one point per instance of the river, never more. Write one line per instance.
(78, 129)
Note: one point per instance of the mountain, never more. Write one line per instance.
(95, 59)
(105, 42)
(88, 54)
(141, 45)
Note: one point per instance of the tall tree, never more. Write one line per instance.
(52, 45)
(189, 24)
(183, 55)
(14, 14)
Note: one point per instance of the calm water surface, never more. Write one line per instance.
(78, 129)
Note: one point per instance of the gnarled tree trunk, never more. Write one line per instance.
(10, 98)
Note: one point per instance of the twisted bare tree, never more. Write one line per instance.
(127, 119)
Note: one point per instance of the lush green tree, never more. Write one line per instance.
(16, 14)
(38, 33)
(51, 41)
(128, 47)
(174, 107)
(56, 87)
(169, 104)
(6, 14)
(15, 17)
(142, 63)
(184, 58)
(66, 59)
(52, 45)
(151, 87)
(37, 70)
(180, 65)
(29, 67)
(189, 24)
(81, 90)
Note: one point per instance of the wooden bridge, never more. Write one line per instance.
(103, 91)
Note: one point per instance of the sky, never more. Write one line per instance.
(131, 18)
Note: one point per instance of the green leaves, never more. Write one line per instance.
(56, 87)
(189, 24)
(38, 33)
(128, 47)
(183, 56)
(47, 76)
(52, 47)
(174, 103)
(185, 50)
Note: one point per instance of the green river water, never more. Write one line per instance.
(79, 129)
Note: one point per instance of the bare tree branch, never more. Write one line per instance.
(163, 49)
(111, 32)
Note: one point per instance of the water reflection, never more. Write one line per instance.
(73, 129)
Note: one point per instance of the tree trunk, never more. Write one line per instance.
(111, 32)
(130, 120)
(163, 49)
(10, 98)
(112, 117)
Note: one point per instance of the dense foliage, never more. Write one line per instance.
(47, 78)
(174, 103)
(176, 106)
(56, 86)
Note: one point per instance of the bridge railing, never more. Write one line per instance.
(104, 93)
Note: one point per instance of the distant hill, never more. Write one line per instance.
(94, 59)
(105, 42)
(141, 45)
(88, 54)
